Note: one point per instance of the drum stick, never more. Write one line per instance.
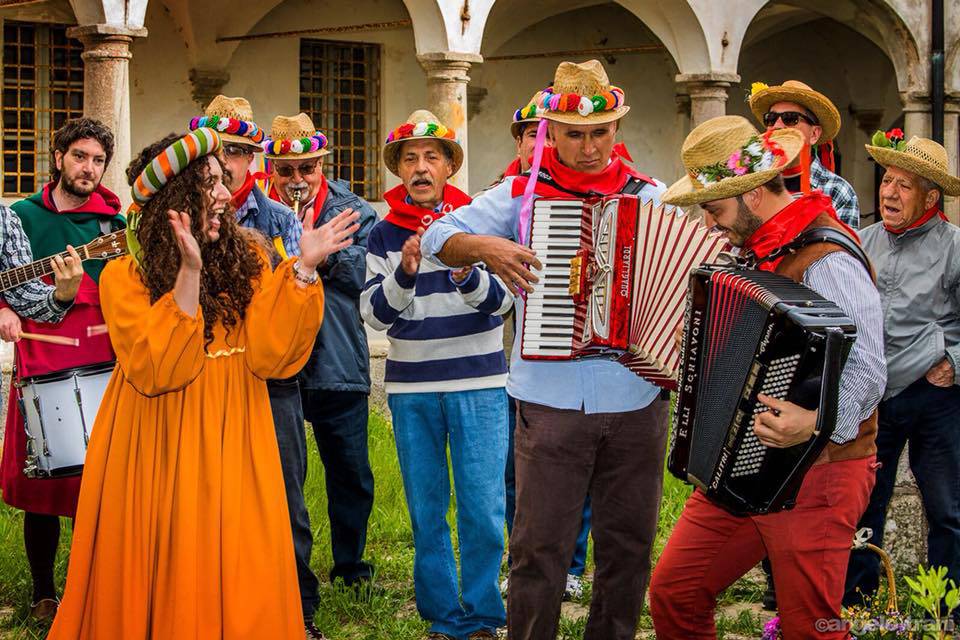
(42, 337)
(96, 330)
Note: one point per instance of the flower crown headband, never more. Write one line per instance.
(223, 124)
(567, 102)
(421, 130)
(760, 153)
(893, 139)
(316, 142)
(163, 168)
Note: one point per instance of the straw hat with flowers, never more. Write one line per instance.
(726, 157)
(295, 138)
(232, 118)
(525, 115)
(763, 97)
(581, 94)
(921, 156)
(421, 125)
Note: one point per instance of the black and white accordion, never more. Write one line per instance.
(614, 281)
(748, 332)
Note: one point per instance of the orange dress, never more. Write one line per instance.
(182, 525)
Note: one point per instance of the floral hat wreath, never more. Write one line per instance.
(421, 125)
(550, 102)
(921, 156)
(232, 126)
(727, 157)
(526, 115)
(163, 168)
(310, 144)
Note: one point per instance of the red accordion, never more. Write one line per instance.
(614, 281)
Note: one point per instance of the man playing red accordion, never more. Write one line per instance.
(733, 173)
(583, 426)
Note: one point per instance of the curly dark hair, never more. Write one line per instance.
(78, 129)
(230, 265)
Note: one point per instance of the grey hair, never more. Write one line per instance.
(927, 185)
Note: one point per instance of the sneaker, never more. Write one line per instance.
(503, 585)
(313, 633)
(483, 634)
(574, 589)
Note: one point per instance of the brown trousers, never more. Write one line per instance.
(561, 455)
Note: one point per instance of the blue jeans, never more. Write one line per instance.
(929, 417)
(474, 423)
(579, 562)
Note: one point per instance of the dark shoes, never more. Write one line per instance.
(434, 635)
(483, 634)
(44, 609)
(313, 633)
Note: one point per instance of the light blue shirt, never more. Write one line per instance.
(594, 385)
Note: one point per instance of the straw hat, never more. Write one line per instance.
(726, 157)
(526, 115)
(921, 156)
(232, 118)
(295, 138)
(421, 125)
(582, 94)
(763, 97)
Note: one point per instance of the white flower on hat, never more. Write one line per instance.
(420, 129)
(754, 148)
(296, 146)
(765, 162)
(222, 124)
(703, 179)
(585, 107)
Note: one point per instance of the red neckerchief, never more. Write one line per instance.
(609, 181)
(320, 198)
(922, 220)
(410, 216)
(787, 224)
(240, 195)
(513, 169)
(102, 201)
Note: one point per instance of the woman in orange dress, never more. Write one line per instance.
(182, 526)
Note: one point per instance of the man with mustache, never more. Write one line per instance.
(733, 172)
(583, 426)
(335, 383)
(72, 209)
(445, 379)
(915, 253)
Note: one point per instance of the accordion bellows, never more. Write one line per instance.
(614, 281)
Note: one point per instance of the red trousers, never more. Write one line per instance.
(808, 547)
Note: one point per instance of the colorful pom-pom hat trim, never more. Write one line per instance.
(421, 125)
(224, 125)
(295, 138)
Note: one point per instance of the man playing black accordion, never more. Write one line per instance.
(734, 175)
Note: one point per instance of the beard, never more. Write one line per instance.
(744, 226)
(74, 188)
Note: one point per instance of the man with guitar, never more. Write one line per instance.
(72, 209)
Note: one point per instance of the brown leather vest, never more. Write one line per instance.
(794, 266)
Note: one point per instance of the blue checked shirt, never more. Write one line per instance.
(34, 299)
(834, 187)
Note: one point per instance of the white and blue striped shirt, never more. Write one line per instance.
(443, 336)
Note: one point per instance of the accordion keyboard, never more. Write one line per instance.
(548, 320)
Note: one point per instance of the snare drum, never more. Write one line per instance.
(59, 409)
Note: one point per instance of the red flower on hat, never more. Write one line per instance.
(405, 130)
(895, 134)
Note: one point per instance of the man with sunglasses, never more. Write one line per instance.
(335, 383)
(795, 105)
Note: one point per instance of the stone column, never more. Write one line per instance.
(916, 114)
(447, 96)
(951, 141)
(106, 91)
(708, 94)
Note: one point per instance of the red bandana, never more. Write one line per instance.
(787, 224)
(513, 169)
(102, 201)
(240, 195)
(922, 220)
(313, 207)
(609, 181)
(410, 216)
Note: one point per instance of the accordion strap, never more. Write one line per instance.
(818, 235)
